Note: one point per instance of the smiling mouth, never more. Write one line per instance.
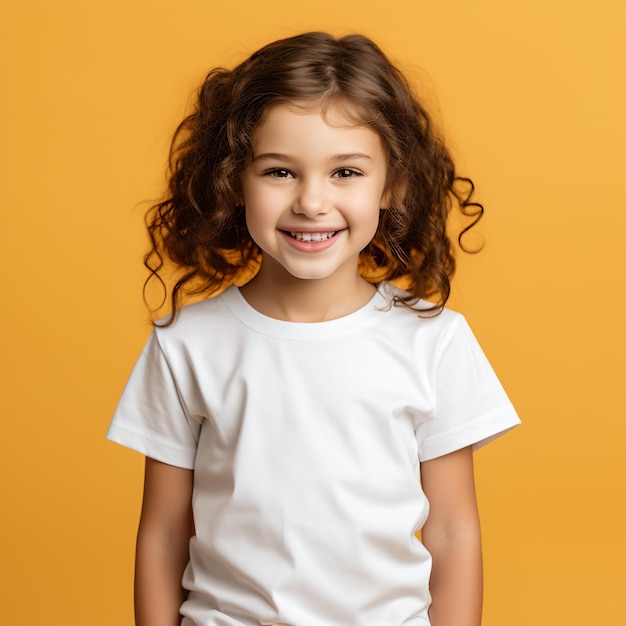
(312, 236)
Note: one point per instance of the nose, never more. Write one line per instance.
(311, 199)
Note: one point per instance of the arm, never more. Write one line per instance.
(165, 528)
(452, 536)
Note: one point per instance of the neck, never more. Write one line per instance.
(292, 299)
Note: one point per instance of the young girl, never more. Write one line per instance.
(300, 428)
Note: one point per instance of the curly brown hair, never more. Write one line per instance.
(200, 226)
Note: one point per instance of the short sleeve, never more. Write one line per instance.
(151, 417)
(471, 407)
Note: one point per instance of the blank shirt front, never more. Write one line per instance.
(306, 442)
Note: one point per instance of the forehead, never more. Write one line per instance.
(305, 124)
(338, 110)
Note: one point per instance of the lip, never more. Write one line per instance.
(311, 246)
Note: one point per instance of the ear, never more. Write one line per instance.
(391, 194)
(394, 192)
(385, 201)
(238, 193)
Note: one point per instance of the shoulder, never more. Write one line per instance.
(416, 314)
(409, 329)
(197, 320)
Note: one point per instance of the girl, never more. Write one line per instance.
(299, 427)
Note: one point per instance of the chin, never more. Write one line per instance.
(310, 275)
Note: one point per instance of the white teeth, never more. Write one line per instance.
(312, 236)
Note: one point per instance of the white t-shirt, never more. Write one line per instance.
(306, 442)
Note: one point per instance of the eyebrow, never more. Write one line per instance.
(276, 156)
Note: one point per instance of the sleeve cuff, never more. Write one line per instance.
(159, 450)
(476, 434)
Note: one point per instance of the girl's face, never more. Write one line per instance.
(313, 191)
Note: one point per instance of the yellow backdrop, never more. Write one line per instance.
(532, 96)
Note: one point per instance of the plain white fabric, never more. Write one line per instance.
(306, 442)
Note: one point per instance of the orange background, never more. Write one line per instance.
(533, 100)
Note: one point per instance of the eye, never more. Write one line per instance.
(278, 172)
(347, 172)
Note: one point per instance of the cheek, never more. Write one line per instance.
(253, 220)
(261, 219)
(369, 217)
(258, 210)
(366, 207)
(372, 228)
(261, 198)
(255, 204)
